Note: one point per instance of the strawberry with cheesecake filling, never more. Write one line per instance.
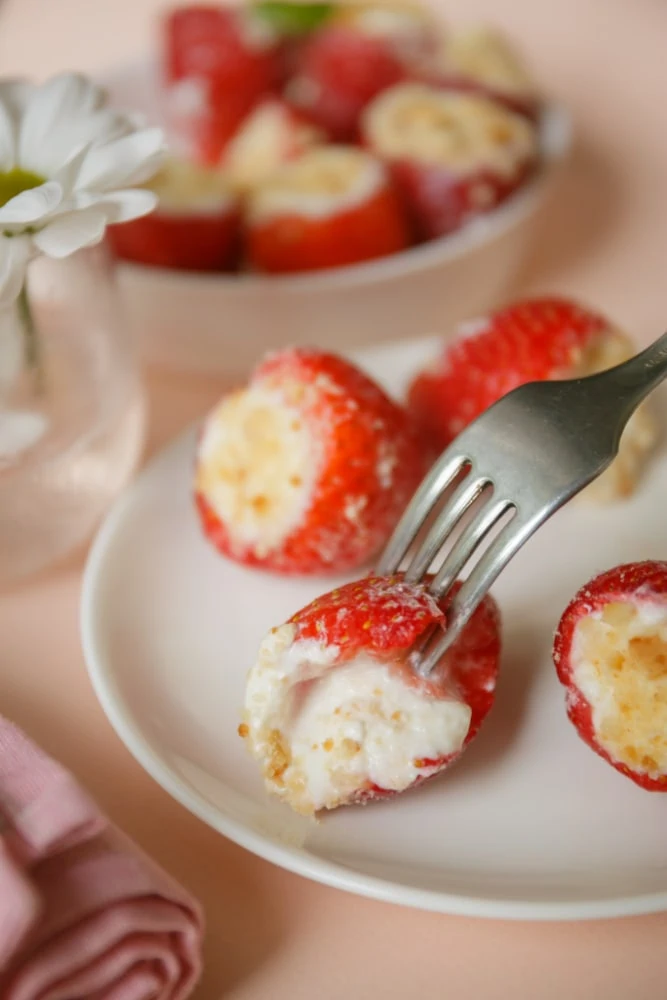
(410, 30)
(482, 61)
(272, 134)
(308, 469)
(453, 156)
(218, 62)
(336, 715)
(331, 206)
(340, 70)
(196, 226)
(610, 652)
(528, 341)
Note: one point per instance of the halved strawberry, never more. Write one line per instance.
(195, 227)
(218, 62)
(340, 71)
(330, 207)
(272, 134)
(532, 340)
(335, 714)
(610, 652)
(482, 61)
(453, 156)
(308, 469)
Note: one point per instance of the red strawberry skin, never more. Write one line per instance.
(531, 340)
(384, 616)
(371, 458)
(633, 582)
(208, 44)
(340, 72)
(441, 202)
(285, 244)
(182, 242)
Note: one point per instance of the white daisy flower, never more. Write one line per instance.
(68, 166)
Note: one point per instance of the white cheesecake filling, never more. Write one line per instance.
(324, 733)
(463, 132)
(487, 57)
(320, 182)
(269, 137)
(619, 663)
(256, 466)
(185, 189)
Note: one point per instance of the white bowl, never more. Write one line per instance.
(217, 323)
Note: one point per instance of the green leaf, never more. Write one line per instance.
(293, 18)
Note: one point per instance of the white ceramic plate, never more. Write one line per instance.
(530, 823)
(218, 322)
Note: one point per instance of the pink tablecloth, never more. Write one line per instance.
(272, 934)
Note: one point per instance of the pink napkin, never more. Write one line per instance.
(84, 915)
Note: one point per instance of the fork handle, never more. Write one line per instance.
(637, 377)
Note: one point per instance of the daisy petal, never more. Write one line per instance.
(123, 161)
(123, 206)
(14, 95)
(32, 205)
(14, 257)
(72, 231)
(61, 115)
(7, 139)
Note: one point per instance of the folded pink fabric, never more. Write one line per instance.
(84, 914)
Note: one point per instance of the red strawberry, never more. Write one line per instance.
(341, 70)
(218, 62)
(330, 207)
(453, 156)
(336, 715)
(195, 227)
(412, 32)
(308, 469)
(528, 341)
(610, 652)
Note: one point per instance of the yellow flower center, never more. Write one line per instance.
(13, 182)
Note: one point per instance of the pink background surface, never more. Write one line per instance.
(272, 934)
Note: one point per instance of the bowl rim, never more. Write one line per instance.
(555, 139)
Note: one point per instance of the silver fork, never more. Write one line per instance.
(523, 459)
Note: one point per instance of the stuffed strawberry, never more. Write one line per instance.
(453, 156)
(482, 61)
(196, 226)
(610, 652)
(340, 70)
(218, 62)
(273, 134)
(329, 207)
(534, 340)
(308, 469)
(334, 712)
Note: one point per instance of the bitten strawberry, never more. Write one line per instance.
(533, 340)
(411, 31)
(195, 227)
(329, 207)
(308, 469)
(610, 652)
(453, 156)
(340, 71)
(334, 713)
(482, 61)
(218, 62)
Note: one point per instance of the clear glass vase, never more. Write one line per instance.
(71, 410)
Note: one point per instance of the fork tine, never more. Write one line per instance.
(466, 601)
(472, 536)
(441, 476)
(455, 507)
